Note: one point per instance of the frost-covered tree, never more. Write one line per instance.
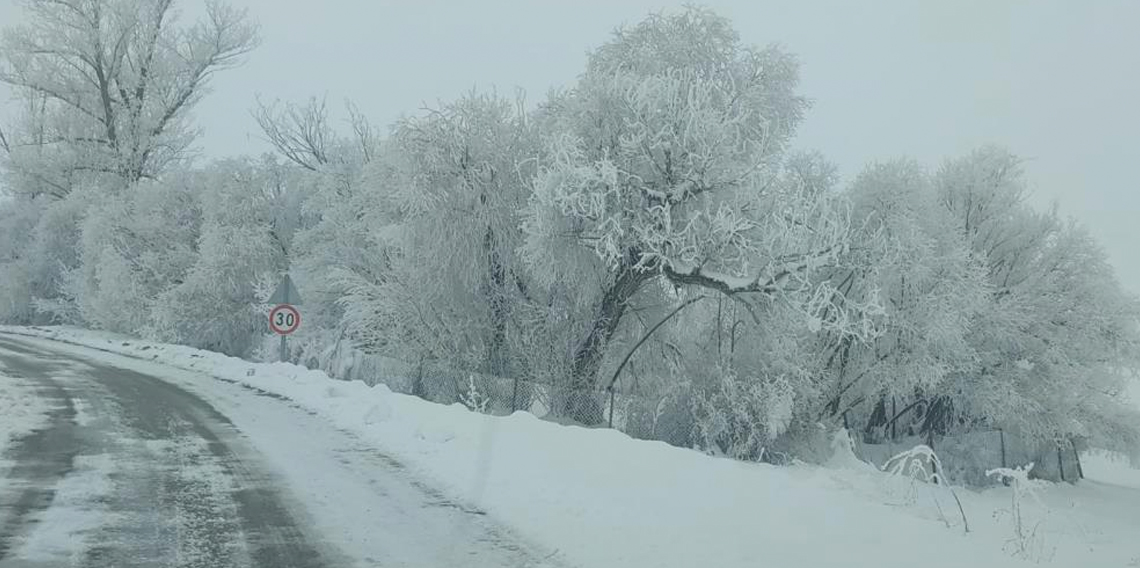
(701, 371)
(18, 219)
(248, 214)
(54, 257)
(646, 231)
(663, 161)
(907, 251)
(105, 89)
(109, 85)
(136, 245)
(448, 188)
(1058, 335)
(337, 209)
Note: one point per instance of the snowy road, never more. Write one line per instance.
(134, 470)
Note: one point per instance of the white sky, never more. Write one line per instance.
(1057, 82)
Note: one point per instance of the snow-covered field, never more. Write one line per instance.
(600, 498)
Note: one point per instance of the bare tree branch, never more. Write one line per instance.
(617, 372)
(362, 130)
(299, 133)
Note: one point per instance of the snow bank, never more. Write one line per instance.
(603, 499)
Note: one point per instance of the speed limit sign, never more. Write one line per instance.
(284, 319)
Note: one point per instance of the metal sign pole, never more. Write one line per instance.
(284, 352)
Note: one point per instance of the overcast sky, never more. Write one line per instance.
(1057, 82)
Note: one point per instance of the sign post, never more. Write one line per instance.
(285, 318)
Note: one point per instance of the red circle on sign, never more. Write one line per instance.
(284, 319)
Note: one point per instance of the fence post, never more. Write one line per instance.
(1077, 459)
(418, 385)
(934, 467)
(1060, 463)
(611, 420)
(515, 395)
(1001, 433)
(894, 419)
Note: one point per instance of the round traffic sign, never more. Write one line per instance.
(284, 319)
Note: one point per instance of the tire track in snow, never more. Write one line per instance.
(41, 459)
(182, 488)
(305, 475)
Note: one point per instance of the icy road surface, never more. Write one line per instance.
(131, 470)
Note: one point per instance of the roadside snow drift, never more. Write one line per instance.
(601, 498)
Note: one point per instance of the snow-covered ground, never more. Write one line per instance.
(22, 410)
(600, 498)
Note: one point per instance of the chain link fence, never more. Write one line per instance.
(640, 415)
(669, 418)
(967, 456)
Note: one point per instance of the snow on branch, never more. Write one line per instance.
(730, 285)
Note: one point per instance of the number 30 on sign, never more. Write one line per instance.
(284, 319)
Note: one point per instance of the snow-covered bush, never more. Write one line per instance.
(739, 415)
(921, 465)
(473, 399)
(134, 246)
(55, 257)
(1028, 540)
(18, 219)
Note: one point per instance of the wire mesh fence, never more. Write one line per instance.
(639, 414)
(967, 456)
(669, 418)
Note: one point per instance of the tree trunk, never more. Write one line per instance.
(582, 403)
(497, 297)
